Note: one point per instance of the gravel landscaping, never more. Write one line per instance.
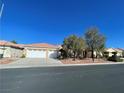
(7, 60)
(83, 61)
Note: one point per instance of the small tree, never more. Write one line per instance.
(81, 47)
(73, 45)
(94, 40)
(70, 45)
(13, 41)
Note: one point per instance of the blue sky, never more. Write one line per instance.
(50, 21)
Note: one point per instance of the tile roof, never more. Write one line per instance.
(121, 49)
(6, 43)
(42, 45)
(114, 49)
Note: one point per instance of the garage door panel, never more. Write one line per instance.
(52, 54)
(36, 54)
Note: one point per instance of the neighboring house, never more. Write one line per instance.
(8, 49)
(40, 50)
(110, 51)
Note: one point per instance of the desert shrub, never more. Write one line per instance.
(106, 55)
(23, 56)
(1, 55)
(115, 59)
(123, 54)
(62, 54)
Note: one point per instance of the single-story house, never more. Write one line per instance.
(8, 49)
(40, 50)
(110, 51)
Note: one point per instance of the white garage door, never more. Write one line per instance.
(36, 54)
(52, 53)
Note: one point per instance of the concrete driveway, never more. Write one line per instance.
(31, 62)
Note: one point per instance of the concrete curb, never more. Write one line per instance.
(60, 65)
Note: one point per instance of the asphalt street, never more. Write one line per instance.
(75, 79)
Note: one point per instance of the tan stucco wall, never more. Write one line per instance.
(17, 53)
(110, 50)
(5, 51)
(11, 52)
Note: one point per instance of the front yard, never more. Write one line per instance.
(6, 60)
(84, 61)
